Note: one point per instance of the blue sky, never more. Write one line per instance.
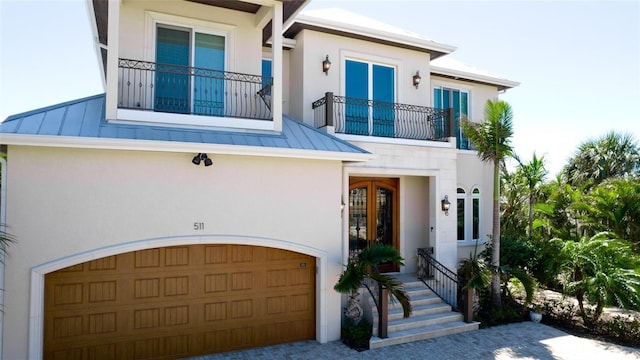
(578, 62)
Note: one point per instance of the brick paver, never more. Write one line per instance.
(524, 340)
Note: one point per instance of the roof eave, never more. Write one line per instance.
(437, 49)
(502, 84)
(180, 147)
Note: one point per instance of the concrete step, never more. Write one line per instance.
(431, 317)
(416, 334)
(397, 313)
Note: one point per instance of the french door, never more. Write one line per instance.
(366, 81)
(373, 215)
(189, 72)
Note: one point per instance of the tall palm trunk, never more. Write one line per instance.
(495, 241)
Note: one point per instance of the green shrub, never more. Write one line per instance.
(356, 336)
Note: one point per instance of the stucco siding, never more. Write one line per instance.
(406, 62)
(65, 202)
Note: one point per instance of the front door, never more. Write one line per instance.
(373, 214)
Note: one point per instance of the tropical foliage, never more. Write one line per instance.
(364, 266)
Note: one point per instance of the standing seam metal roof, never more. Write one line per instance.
(86, 118)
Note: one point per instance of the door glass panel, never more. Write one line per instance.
(172, 75)
(208, 89)
(461, 219)
(357, 219)
(384, 216)
(384, 91)
(356, 87)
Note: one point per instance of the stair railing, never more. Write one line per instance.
(445, 283)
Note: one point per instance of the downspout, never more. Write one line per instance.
(3, 217)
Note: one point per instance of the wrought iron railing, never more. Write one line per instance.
(150, 86)
(385, 119)
(441, 280)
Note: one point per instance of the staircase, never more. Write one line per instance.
(431, 317)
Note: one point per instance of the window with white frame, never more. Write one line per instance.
(445, 98)
(468, 219)
(475, 211)
(460, 203)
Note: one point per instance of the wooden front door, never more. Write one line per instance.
(181, 301)
(373, 215)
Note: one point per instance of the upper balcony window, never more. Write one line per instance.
(367, 81)
(444, 98)
(176, 89)
(184, 71)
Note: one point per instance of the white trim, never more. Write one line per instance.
(80, 142)
(153, 117)
(152, 19)
(3, 219)
(507, 84)
(36, 303)
(375, 33)
(394, 141)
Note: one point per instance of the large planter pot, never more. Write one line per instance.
(535, 316)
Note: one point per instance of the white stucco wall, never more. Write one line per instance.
(472, 173)
(65, 202)
(427, 174)
(315, 46)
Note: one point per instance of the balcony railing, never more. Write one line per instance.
(150, 86)
(376, 118)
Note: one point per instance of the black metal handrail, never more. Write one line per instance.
(378, 118)
(145, 85)
(441, 280)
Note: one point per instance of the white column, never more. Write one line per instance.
(113, 31)
(276, 49)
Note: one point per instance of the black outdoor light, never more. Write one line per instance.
(202, 157)
(445, 205)
(326, 65)
(416, 79)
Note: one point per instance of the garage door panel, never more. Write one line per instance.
(179, 301)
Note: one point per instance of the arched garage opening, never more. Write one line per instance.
(179, 299)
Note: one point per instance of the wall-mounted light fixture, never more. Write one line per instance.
(446, 205)
(416, 79)
(202, 157)
(326, 65)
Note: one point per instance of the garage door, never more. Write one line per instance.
(179, 301)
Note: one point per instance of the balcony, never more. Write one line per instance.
(150, 86)
(383, 119)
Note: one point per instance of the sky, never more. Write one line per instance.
(578, 62)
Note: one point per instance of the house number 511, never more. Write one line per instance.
(198, 226)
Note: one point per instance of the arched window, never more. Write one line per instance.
(476, 214)
(460, 207)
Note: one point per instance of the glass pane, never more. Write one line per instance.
(357, 219)
(384, 216)
(208, 90)
(356, 86)
(172, 85)
(460, 219)
(476, 219)
(437, 98)
(266, 74)
(383, 90)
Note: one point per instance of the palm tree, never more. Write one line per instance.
(614, 206)
(533, 174)
(492, 139)
(602, 270)
(613, 155)
(365, 266)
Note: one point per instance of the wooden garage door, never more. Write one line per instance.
(179, 301)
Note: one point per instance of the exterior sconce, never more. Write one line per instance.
(445, 205)
(326, 65)
(416, 79)
(202, 157)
